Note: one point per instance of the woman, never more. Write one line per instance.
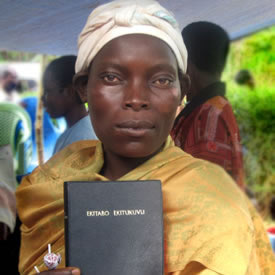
(130, 69)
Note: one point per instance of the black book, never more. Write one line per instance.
(114, 228)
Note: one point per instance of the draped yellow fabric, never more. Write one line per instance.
(209, 226)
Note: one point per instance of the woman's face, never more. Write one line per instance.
(133, 93)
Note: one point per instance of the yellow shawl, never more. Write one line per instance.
(209, 226)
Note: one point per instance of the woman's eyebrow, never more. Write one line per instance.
(164, 67)
(112, 65)
(155, 67)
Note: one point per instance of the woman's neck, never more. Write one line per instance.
(116, 166)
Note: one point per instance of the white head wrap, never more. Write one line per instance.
(124, 17)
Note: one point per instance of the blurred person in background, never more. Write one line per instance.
(61, 100)
(206, 128)
(245, 78)
(9, 222)
(10, 86)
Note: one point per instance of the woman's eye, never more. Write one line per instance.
(163, 82)
(110, 78)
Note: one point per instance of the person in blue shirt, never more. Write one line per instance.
(61, 100)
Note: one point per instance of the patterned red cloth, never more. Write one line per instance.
(209, 131)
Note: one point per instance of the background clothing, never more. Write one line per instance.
(207, 129)
(8, 185)
(81, 130)
(209, 225)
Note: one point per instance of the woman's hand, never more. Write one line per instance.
(62, 271)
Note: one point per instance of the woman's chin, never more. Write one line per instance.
(138, 153)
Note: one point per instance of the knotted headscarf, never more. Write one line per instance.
(124, 17)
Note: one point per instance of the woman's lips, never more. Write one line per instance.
(135, 128)
(136, 124)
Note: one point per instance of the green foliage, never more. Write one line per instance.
(255, 113)
(255, 108)
(14, 56)
(258, 54)
(8, 56)
(28, 94)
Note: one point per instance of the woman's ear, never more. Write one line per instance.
(80, 82)
(185, 84)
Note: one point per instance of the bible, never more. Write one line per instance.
(114, 227)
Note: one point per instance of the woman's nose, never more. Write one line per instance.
(136, 96)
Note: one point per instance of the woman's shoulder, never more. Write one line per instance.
(200, 183)
(75, 154)
(205, 208)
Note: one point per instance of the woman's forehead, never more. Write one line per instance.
(136, 45)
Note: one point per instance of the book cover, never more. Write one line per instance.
(114, 228)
